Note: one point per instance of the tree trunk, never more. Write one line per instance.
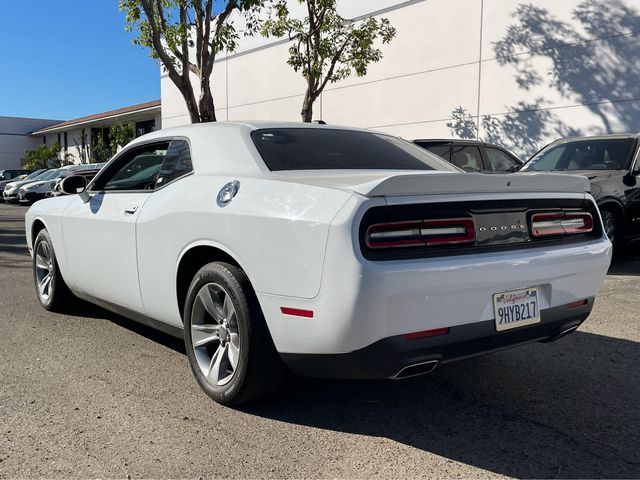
(206, 106)
(184, 85)
(307, 105)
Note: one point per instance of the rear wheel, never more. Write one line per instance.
(228, 344)
(53, 293)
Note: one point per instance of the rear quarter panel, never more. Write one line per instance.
(276, 230)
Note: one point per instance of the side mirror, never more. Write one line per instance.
(73, 185)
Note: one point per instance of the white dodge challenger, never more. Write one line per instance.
(328, 251)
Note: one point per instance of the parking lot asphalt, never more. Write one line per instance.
(91, 394)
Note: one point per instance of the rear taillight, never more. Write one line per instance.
(420, 233)
(560, 223)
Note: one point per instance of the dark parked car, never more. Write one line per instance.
(10, 174)
(4, 183)
(473, 156)
(88, 171)
(611, 164)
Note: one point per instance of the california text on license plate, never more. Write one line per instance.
(516, 308)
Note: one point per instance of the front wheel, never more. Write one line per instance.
(228, 343)
(53, 293)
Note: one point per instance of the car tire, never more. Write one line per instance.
(613, 229)
(228, 344)
(53, 293)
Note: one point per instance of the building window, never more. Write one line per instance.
(145, 127)
(65, 142)
(104, 133)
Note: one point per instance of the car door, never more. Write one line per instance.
(100, 234)
(632, 195)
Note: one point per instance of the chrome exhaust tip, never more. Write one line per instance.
(416, 370)
(564, 333)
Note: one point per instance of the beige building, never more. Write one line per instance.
(519, 73)
(146, 118)
(16, 138)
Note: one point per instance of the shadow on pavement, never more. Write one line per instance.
(87, 310)
(528, 412)
(627, 263)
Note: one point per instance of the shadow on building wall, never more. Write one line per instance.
(603, 75)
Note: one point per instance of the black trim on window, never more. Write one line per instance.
(125, 151)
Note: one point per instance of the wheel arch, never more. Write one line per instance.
(614, 205)
(36, 226)
(193, 258)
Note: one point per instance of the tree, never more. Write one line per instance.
(171, 28)
(100, 150)
(120, 135)
(326, 47)
(42, 157)
(82, 146)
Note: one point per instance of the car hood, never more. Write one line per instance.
(18, 184)
(597, 175)
(35, 184)
(399, 183)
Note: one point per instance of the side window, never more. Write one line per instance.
(137, 169)
(467, 158)
(500, 161)
(441, 150)
(177, 162)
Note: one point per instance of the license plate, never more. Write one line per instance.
(516, 308)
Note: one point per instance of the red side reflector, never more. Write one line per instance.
(297, 312)
(577, 304)
(436, 332)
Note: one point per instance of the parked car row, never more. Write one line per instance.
(609, 162)
(43, 183)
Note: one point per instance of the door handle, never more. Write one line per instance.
(131, 209)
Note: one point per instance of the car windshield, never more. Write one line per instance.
(35, 174)
(327, 148)
(600, 154)
(48, 175)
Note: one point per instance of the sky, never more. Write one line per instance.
(64, 59)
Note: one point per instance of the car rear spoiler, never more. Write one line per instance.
(447, 183)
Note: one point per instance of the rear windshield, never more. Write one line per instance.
(600, 154)
(331, 149)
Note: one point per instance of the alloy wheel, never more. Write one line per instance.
(609, 226)
(44, 270)
(214, 334)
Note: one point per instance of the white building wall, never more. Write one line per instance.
(15, 139)
(516, 73)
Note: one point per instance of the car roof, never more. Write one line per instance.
(456, 140)
(203, 128)
(229, 143)
(597, 137)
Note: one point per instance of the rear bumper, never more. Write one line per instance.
(388, 357)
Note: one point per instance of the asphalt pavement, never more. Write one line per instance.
(92, 394)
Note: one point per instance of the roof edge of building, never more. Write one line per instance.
(140, 107)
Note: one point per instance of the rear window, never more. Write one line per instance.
(332, 149)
